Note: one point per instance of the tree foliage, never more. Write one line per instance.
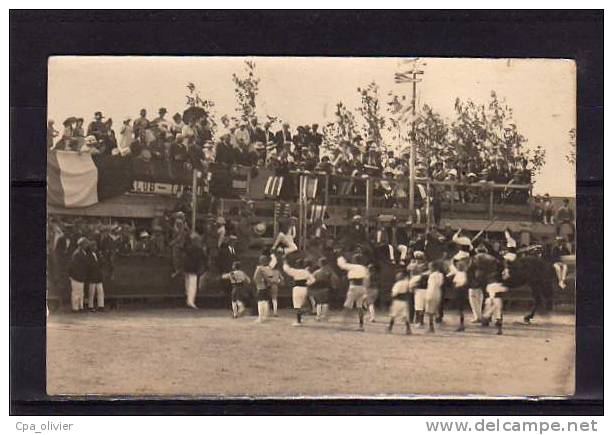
(195, 99)
(246, 91)
(486, 131)
(373, 119)
(342, 129)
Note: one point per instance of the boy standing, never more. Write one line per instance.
(238, 280)
(263, 278)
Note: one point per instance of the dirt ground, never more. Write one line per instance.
(206, 352)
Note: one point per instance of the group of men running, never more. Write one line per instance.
(473, 277)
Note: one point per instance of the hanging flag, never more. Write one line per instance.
(81, 179)
(273, 186)
(317, 212)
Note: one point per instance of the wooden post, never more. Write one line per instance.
(491, 207)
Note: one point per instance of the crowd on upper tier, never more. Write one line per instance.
(191, 140)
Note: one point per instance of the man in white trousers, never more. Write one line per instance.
(194, 264)
(357, 273)
(302, 279)
(476, 284)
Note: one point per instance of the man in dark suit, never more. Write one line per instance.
(77, 271)
(283, 135)
(227, 254)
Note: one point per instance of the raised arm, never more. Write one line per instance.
(289, 270)
(273, 261)
(343, 264)
(278, 240)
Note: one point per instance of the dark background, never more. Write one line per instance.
(35, 35)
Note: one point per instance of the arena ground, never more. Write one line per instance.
(206, 352)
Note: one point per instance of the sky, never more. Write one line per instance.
(305, 90)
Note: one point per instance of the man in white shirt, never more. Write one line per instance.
(302, 279)
(356, 294)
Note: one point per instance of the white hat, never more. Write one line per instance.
(419, 254)
(461, 255)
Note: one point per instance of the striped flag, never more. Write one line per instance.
(346, 188)
(81, 180)
(273, 186)
(310, 187)
(317, 212)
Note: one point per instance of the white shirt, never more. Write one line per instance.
(435, 281)
(460, 279)
(299, 274)
(400, 287)
(354, 271)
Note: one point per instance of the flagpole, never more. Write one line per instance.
(404, 78)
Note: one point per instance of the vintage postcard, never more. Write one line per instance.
(311, 226)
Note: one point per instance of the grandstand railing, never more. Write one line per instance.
(362, 191)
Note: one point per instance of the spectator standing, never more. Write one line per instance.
(178, 124)
(547, 210)
(78, 273)
(79, 131)
(52, 133)
(162, 122)
(94, 277)
(565, 221)
(243, 138)
(96, 127)
(141, 124)
(126, 137)
(194, 264)
(284, 135)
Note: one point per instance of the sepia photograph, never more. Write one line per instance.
(311, 227)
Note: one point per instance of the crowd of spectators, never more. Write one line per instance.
(165, 148)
